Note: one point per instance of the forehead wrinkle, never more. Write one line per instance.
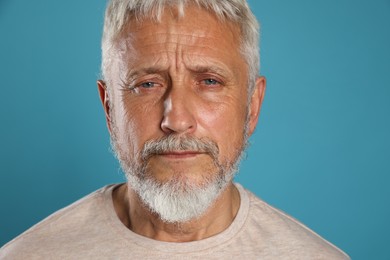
(166, 46)
(185, 50)
(171, 47)
(191, 35)
(183, 39)
(182, 32)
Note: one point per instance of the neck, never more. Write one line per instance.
(142, 221)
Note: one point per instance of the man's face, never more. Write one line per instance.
(182, 77)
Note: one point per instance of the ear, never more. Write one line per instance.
(255, 105)
(104, 98)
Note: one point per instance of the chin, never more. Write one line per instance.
(179, 198)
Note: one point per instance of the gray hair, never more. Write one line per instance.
(119, 12)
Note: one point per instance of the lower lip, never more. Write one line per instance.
(179, 155)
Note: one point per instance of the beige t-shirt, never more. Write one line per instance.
(90, 229)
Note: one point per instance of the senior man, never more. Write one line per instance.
(181, 95)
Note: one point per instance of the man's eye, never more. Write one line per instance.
(210, 82)
(148, 85)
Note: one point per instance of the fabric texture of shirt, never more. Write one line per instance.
(90, 229)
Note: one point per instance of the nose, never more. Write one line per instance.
(178, 116)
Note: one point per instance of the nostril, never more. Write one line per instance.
(178, 121)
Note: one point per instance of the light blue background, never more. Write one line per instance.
(320, 152)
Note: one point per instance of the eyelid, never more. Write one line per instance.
(211, 82)
(155, 84)
(143, 84)
(219, 80)
(156, 79)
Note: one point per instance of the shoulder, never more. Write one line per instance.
(281, 232)
(55, 230)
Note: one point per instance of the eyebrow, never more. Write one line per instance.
(133, 74)
(209, 69)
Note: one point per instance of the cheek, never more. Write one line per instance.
(224, 123)
(136, 123)
(124, 130)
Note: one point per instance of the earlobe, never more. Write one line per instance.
(256, 102)
(104, 98)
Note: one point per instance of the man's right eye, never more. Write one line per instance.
(147, 85)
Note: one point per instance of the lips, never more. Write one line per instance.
(180, 154)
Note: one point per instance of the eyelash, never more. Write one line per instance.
(211, 82)
(145, 86)
(145, 83)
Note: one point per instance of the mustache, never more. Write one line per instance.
(172, 143)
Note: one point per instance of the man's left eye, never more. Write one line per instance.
(210, 82)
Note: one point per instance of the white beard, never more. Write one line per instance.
(177, 200)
